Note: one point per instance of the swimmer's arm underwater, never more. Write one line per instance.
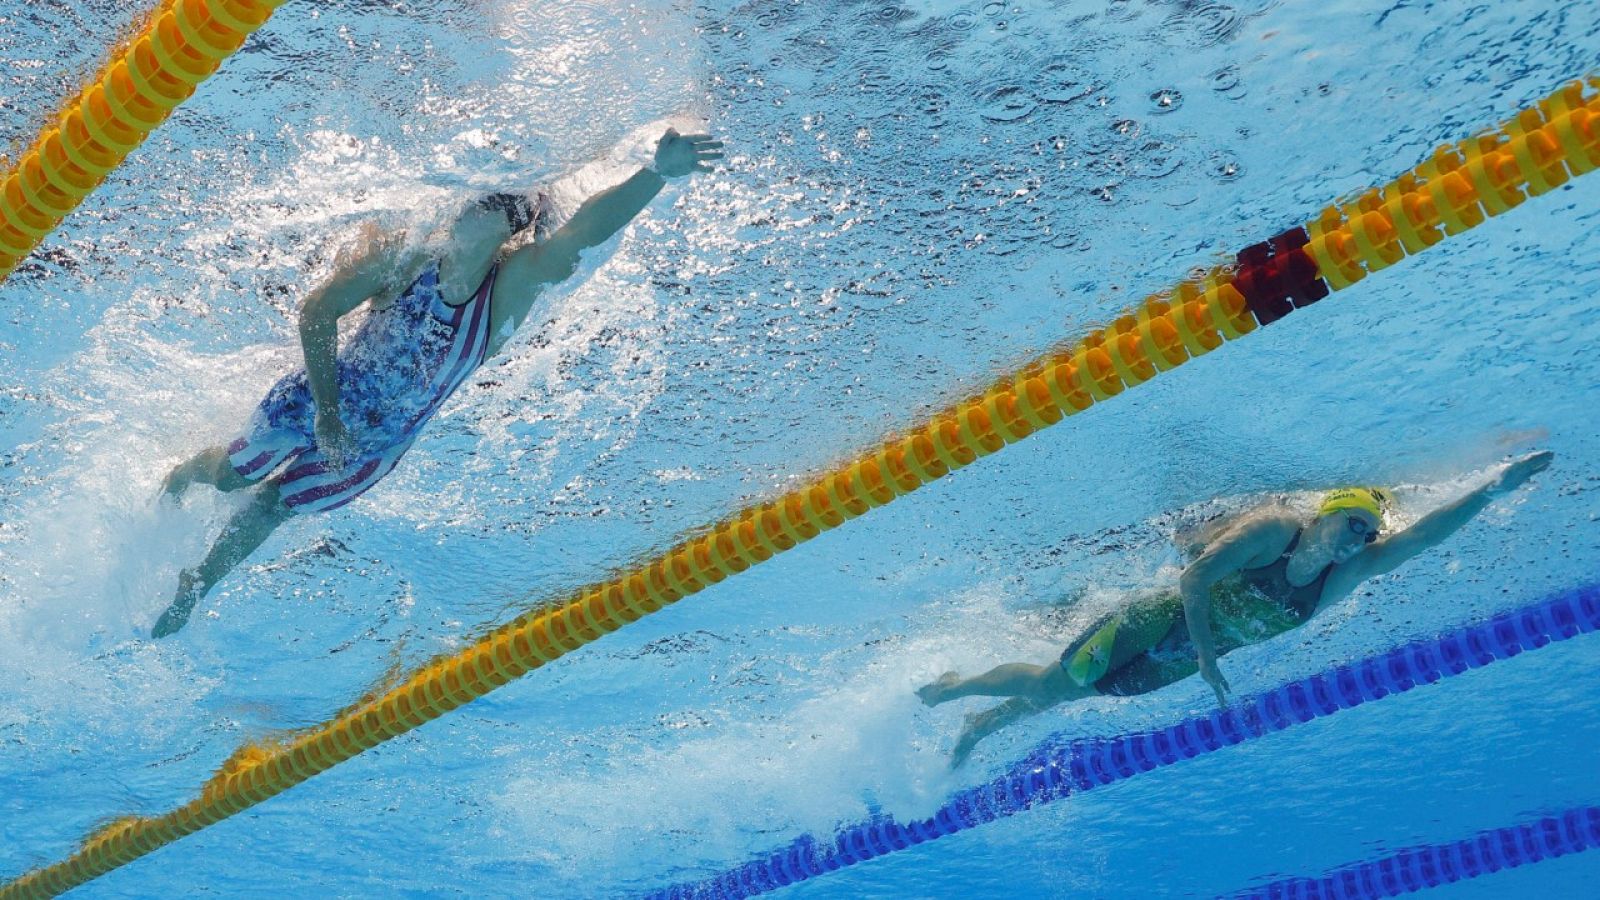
(595, 222)
(1238, 549)
(1389, 553)
(359, 274)
(609, 211)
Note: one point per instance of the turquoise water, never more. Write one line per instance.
(917, 197)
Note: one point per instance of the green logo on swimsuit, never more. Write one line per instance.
(1088, 662)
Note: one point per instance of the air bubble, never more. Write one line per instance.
(1006, 104)
(1121, 11)
(1061, 81)
(1225, 80)
(933, 106)
(893, 14)
(813, 51)
(1225, 167)
(874, 80)
(1166, 100)
(1204, 26)
(1157, 159)
(1065, 240)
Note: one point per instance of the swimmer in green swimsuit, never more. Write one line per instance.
(1256, 576)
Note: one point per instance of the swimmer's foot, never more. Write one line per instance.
(172, 487)
(933, 693)
(177, 615)
(970, 735)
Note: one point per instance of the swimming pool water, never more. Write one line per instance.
(918, 196)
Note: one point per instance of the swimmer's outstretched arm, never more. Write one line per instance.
(603, 215)
(595, 222)
(1390, 552)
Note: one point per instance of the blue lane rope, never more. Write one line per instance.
(1419, 868)
(1057, 768)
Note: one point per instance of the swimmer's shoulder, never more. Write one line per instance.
(1259, 535)
(380, 263)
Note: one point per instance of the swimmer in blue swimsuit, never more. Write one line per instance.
(1254, 577)
(326, 434)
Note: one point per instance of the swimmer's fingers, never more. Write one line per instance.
(1219, 683)
(1519, 471)
(705, 153)
(708, 144)
(696, 138)
(1221, 687)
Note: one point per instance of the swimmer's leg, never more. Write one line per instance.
(1009, 680)
(1104, 645)
(1096, 645)
(240, 537)
(1052, 687)
(207, 467)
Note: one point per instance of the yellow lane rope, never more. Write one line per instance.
(181, 45)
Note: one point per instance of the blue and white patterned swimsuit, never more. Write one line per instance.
(394, 373)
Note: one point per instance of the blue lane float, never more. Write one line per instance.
(1419, 868)
(1058, 768)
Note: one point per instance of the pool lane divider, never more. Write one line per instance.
(1455, 189)
(1057, 769)
(1419, 868)
(180, 45)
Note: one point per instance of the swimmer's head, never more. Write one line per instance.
(1349, 519)
(499, 217)
(516, 209)
(520, 212)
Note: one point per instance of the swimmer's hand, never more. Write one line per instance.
(1520, 470)
(333, 441)
(678, 155)
(1213, 677)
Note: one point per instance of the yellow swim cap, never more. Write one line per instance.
(1370, 499)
